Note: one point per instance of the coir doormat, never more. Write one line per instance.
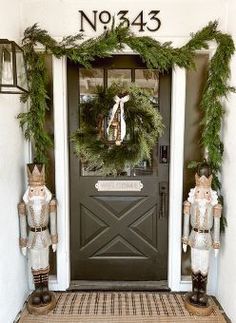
(119, 307)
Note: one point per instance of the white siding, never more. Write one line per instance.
(13, 277)
(227, 259)
(60, 17)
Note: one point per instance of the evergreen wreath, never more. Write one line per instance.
(156, 56)
(143, 122)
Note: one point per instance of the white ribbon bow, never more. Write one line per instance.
(119, 102)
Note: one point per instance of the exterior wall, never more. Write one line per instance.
(227, 260)
(178, 17)
(13, 278)
(60, 17)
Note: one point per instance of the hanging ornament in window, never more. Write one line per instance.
(116, 129)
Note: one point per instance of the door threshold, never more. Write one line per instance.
(105, 285)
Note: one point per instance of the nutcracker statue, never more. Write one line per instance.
(35, 212)
(203, 212)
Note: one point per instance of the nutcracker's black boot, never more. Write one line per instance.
(36, 296)
(202, 297)
(45, 296)
(195, 286)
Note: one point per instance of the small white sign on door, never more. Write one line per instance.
(119, 186)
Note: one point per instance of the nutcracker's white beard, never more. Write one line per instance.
(36, 202)
(32, 199)
(36, 199)
(202, 204)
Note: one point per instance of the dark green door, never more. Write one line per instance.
(119, 236)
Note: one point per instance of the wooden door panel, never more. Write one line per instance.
(119, 205)
(118, 235)
(146, 227)
(118, 248)
(105, 225)
(91, 226)
(130, 237)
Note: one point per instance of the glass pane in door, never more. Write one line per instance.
(119, 75)
(148, 80)
(144, 78)
(89, 79)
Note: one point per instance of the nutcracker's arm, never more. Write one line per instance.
(53, 223)
(217, 210)
(186, 224)
(23, 225)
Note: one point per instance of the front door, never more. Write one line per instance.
(119, 236)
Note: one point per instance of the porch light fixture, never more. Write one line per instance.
(13, 73)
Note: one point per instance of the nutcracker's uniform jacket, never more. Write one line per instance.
(35, 217)
(202, 219)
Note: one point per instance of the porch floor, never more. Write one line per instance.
(118, 307)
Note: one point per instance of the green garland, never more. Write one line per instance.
(154, 54)
(144, 126)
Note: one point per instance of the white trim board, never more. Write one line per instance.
(178, 96)
(62, 280)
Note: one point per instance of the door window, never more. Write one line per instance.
(120, 74)
(144, 78)
(89, 79)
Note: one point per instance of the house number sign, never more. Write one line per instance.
(141, 21)
(119, 186)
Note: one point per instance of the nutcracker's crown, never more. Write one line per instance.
(203, 181)
(36, 174)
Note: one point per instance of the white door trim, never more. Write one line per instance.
(62, 281)
(178, 97)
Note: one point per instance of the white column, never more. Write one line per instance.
(62, 281)
(176, 176)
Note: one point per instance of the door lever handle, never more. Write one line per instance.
(163, 191)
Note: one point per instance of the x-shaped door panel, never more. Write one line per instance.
(130, 231)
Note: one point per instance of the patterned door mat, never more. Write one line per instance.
(119, 307)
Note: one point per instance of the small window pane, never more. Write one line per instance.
(148, 80)
(20, 68)
(119, 75)
(147, 167)
(89, 80)
(6, 64)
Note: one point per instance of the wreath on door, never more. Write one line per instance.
(119, 126)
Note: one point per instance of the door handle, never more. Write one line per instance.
(163, 191)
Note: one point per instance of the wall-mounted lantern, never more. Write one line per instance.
(13, 73)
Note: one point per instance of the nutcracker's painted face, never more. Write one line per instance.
(37, 194)
(202, 193)
(37, 191)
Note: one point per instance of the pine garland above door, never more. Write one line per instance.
(156, 55)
